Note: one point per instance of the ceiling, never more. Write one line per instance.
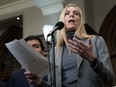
(4, 23)
(5, 2)
(8, 2)
(10, 21)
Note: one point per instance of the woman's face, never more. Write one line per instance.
(72, 18)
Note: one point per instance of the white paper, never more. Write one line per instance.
(30, 59)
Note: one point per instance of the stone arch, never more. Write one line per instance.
(108, 32)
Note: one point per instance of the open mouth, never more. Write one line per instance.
(71, 21)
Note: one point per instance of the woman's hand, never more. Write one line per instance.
(32, 78)
(81, 49)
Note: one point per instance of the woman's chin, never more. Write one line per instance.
(71, 29)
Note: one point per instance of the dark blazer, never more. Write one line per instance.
(2, 83)
(18, 79)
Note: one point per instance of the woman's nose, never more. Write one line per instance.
(71, 14)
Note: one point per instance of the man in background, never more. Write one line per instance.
(17, 78)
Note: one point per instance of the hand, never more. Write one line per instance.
(81, 49)
(32, 78)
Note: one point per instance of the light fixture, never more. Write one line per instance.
(18, 18)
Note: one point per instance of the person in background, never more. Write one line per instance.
(83, 60)
(2, 83)
(17, 78)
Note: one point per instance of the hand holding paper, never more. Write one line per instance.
(29, 59)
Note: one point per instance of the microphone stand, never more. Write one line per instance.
(53, 58)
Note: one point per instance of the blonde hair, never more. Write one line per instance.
(80, 31)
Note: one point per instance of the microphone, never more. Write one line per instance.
(59, 25)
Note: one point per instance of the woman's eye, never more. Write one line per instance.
(66, 13)
(76, 13)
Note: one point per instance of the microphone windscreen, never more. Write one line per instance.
(59, 25)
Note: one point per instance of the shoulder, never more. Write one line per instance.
(96, 38)
(99, 42)
(19, 71)
(18, 74)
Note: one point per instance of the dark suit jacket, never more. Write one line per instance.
(2, 83)
(18, 79)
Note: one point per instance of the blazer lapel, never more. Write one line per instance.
(79, 60)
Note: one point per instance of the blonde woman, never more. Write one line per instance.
(83, 60)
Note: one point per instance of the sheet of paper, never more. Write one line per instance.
(30, 59)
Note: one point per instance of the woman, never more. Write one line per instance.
(83, 60)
